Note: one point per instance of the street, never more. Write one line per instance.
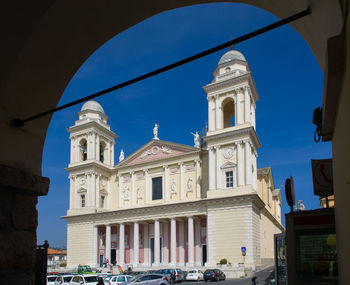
(263, 277)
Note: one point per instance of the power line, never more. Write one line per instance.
(20, 122)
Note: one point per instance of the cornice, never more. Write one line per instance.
(234, 82)
(248, 130)
(93, 164)
(167, 210)
(91, 124)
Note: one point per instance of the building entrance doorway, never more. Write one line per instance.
(152, 250)
(101, 260)
(113, 256)
(204, 254)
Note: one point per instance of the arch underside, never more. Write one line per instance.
(37, 65)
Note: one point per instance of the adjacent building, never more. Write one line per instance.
(169, 204)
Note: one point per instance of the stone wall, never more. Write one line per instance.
(18, 223)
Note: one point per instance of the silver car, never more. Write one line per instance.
(149, 279)
(179, 274)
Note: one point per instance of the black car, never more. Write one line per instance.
(214, 275)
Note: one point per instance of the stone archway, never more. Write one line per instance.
(44, 44)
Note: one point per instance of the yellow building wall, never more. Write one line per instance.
(79, 244)
(231, 228)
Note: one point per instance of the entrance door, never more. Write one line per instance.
(101, 260)
(204, 254)
(152, 249)
(113, 256)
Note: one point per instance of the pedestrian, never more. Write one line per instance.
(100, 281)
(172, 277)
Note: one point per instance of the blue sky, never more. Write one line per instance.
(288, 78)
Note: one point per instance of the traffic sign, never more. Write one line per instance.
(243, 249)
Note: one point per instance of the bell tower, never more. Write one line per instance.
(91, 160)
(231, 138)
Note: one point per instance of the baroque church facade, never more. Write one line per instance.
(169, 204)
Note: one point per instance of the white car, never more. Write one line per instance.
(63, 279)
(50, 280)
(89, 279)
(194, 275)
(120, 279)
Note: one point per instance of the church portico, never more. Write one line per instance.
(157, 242)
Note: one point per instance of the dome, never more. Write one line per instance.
(231, 55)
(92, 106)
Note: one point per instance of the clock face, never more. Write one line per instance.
(228, 152)
(82, 180)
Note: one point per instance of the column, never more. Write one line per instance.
(109, 153)
(98, 147)
(120, 190)
(156, 242)
(173, 241)
(95, 247)
(246, 105)
(93, 189)
(133, 194)
(93, 145)
(108, 242)
(112, 154)
(77, 151)
(190, 241)
(166, 242)
(198, 181)
(147, 194)
(238, 107)
(72, 160)
(211, 168)
(166, 190)
(197, 225)
(217, 113)
(182, 194)
(71, 191)
(253, 116)
(239, 164)
(218, 171)
(145, 244)
(89, 146)
(210, 118)
(181, 243)
(248, 163)
(98, 196)
(121, 243)
(136, 243)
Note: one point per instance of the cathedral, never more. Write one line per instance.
(169, 204)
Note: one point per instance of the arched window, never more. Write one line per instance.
(228, 108)
(83, 150)
(102, 150)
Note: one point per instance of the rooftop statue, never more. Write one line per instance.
(155, 132)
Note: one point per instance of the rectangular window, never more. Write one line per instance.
(157, 192)
(229, 179)
(102, 202)
(82, 201)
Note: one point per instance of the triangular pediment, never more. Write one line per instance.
(228, 164)
(156, 150)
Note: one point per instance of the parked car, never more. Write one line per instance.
(90, 279)
(214, 275)
(149, 279)
(107, 278)
(195, 275)
(120, 279)
(178, 274)
(50, 280)
(63, 279)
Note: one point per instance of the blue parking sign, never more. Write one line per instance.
(243, 249)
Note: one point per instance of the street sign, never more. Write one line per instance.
(243, 249)
(322, 176)
(244, 253)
